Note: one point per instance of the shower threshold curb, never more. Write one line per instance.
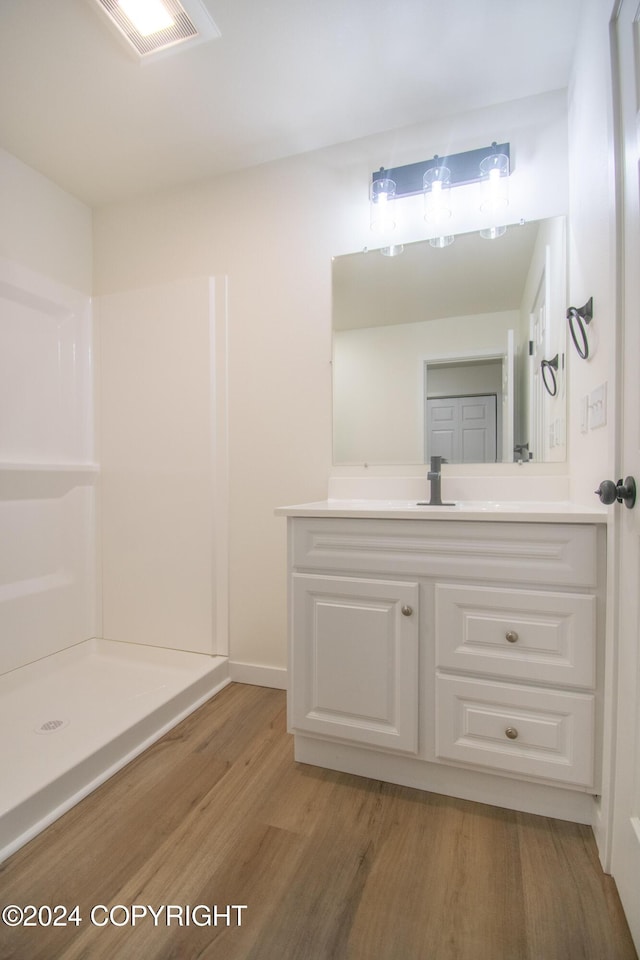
(22, 822)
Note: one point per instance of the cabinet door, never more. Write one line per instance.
(354, 666)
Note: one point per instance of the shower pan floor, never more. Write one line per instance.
(71, 720)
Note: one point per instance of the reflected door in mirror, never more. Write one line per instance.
(462, 429)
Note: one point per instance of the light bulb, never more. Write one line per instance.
(382, 193)
(495, 169)
(437, 185)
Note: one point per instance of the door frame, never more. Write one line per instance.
(621, 654)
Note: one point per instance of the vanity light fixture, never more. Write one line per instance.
(154, 27)
(435, 178)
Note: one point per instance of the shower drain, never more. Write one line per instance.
(51, 726)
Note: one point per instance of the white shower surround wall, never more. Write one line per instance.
(105, 700)
(163, 456)
(48, 597)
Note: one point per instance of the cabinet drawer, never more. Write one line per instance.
(516, 729)
(519, 634)
(545, 553)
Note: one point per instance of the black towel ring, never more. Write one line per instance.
(579, 318)
(548, 369)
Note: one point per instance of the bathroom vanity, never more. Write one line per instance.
(455, 649)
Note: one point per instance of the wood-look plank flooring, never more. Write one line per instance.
(329, 866)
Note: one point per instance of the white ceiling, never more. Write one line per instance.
(286, 76)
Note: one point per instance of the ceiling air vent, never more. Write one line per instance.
(153, 27)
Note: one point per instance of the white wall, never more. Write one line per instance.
(44, 228)
(273, 230)
(592, 245)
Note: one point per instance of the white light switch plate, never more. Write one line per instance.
(598, 407)
(584, 414)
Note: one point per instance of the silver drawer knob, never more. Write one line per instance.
(407, 610)
(512, 636)
(512, 733)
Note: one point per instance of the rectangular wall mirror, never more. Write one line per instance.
(457, 351)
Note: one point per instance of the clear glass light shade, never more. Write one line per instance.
(492, 233)
(437, 193)
(441, 242)
(382, 194)
(495, 172)
(495, 196)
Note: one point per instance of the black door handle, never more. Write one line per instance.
(624, 491)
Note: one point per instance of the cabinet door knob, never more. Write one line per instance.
(512, 636)
(512, 733)
(407, 610)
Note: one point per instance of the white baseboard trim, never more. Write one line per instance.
(498, 791)
(258, 675)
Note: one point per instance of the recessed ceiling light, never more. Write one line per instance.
(153, 27)
(147, 16)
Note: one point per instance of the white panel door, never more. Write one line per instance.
(443, 429)
(462, 429)
(478, 429)
(625, 857)
(355, 660)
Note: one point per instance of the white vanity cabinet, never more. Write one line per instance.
(455, 655)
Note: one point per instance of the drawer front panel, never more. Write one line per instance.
(517, 634)
(516, 729)
(546, 553)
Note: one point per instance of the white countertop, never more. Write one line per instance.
(522, 511)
